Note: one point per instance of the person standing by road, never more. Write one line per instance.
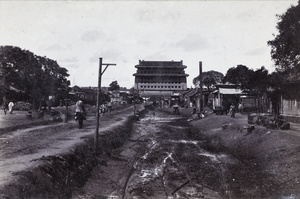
(176, 109)
(109, 106)
(5, 107)
(10, 107)
(232, 110)
(49, 104)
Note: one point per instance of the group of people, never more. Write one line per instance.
(80, 112)
(8, 107)
(104, 108)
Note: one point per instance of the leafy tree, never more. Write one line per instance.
(114, 86)
(285, 48)
(256, 82)
(133, 91)
(37, 77)
(239, 75)
(209, 79)
(276, 79)
(259, 82)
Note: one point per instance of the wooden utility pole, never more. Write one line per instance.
(100, 73)
(67, 111)
(200, 89)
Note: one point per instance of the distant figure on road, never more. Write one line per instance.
(103, 109)
(109, 106)
(176, 109)
(232, 110)
(10, 107)
(5, 107)
(49, 104)
(240, 107)
(194, 110)
(137, 115)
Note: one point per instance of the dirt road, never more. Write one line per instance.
(27, 148)
(167, 157)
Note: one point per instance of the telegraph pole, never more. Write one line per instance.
(67, 93)
(200, 85)
(100, 73)
(199, 91)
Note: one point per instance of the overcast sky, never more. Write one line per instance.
(221, 34)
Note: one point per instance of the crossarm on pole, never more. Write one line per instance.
(106, 67)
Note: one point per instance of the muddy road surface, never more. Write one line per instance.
(167, 158)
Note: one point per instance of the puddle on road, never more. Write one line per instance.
(211, 156)
(160, 119)
(216, 129)
(185, 141)
(154, 145)
(148, 174)
(220, 158)
(179, 127)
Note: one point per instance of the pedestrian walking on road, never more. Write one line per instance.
(80, 113)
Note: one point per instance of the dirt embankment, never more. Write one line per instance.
(271, 153)
(216, 159)
(55, 176)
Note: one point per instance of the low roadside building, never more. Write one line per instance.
(290, 101)
(225, 95)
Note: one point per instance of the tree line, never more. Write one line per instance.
(253, 82)
(285, 52)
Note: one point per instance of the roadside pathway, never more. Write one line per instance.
(20, 149)
(15, 119)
